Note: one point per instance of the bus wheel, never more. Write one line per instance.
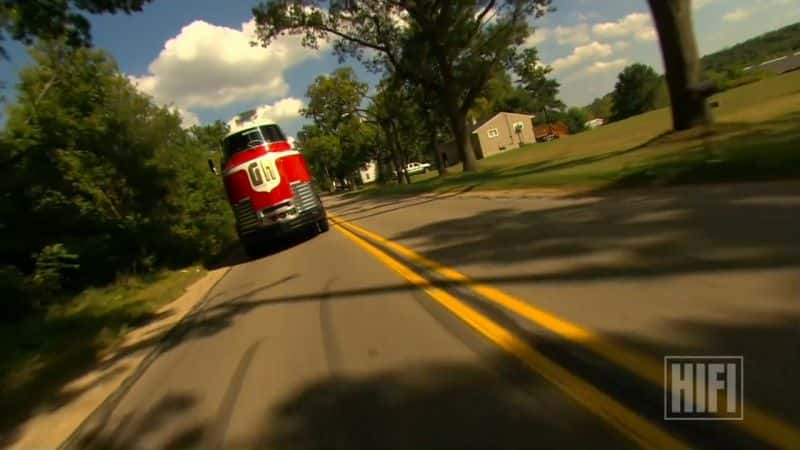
(323, 225)
(251, 248)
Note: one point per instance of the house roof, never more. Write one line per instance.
(486, 122)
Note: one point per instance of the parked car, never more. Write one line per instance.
(417, 167)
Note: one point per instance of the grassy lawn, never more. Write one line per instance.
(40, 353)
(756, 136)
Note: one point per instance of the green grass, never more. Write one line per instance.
(756, 136)
(40, 353)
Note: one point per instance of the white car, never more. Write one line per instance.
(416, 167)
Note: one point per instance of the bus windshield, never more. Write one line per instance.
(251, 137)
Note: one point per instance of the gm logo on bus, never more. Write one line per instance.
(263, 174)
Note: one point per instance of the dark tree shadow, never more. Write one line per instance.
(234, 255)
(492, 403)
(362, 210)
(664, 231)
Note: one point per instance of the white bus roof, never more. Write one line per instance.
(235, 125)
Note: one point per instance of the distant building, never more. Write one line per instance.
(594, 123)
(549, 131)
(369, 172)
(502, 132)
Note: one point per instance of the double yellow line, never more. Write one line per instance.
(758, 424)
(619, 416)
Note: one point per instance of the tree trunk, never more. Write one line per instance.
(396, 157)
(328, 178)
(440, 165)
(673, 21)
(433, 142)
(458, 124)
(404, 164)
(398, 173)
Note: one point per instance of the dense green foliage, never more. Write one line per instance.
(338, 143)
(754, 51)
(600, 108)
(576, 119)
(25, 20)
(635, 91)
(532, 92)
(98, 180)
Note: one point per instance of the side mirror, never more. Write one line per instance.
(212, 167)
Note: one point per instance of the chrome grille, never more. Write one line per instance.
(304, 196)
(246, 218)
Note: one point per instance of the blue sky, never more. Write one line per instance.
(194, 55)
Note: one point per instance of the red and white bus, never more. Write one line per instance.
(268, 184)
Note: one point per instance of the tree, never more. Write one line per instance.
(104, 181)
(322, 151)
(26, 20)
(209, 136)
(673, 20)
(533, 79)
(635, 91)
(408, 120)
(450, 49)
(600, 108)
(334, 99)
(576, 119)
(338, 144)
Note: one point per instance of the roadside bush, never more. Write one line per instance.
(101, 180)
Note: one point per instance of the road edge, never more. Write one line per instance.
(107, 405)
(128, 369)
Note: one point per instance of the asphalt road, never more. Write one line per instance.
(325, 344)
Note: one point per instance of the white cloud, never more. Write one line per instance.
(698, 4)
(210, 66)
(286, 108)
(736, 15)
(576, 34)
(490, 17)
(188, 118)
(638, 25)
(606, 66)
(620, 45)
(582, 53)
(537, 37)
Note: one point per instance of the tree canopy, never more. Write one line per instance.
(634, 91)
(99, 179)
(338, 143)
(450, 49)
(26, 20)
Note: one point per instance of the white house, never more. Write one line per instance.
(594, 123)
(369, 172)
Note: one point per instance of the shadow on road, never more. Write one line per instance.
(496, 404)
(235, 254)
(657, 232)
(364, 209)
(720, 229)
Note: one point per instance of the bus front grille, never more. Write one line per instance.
(246, 219)
(304, 196)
